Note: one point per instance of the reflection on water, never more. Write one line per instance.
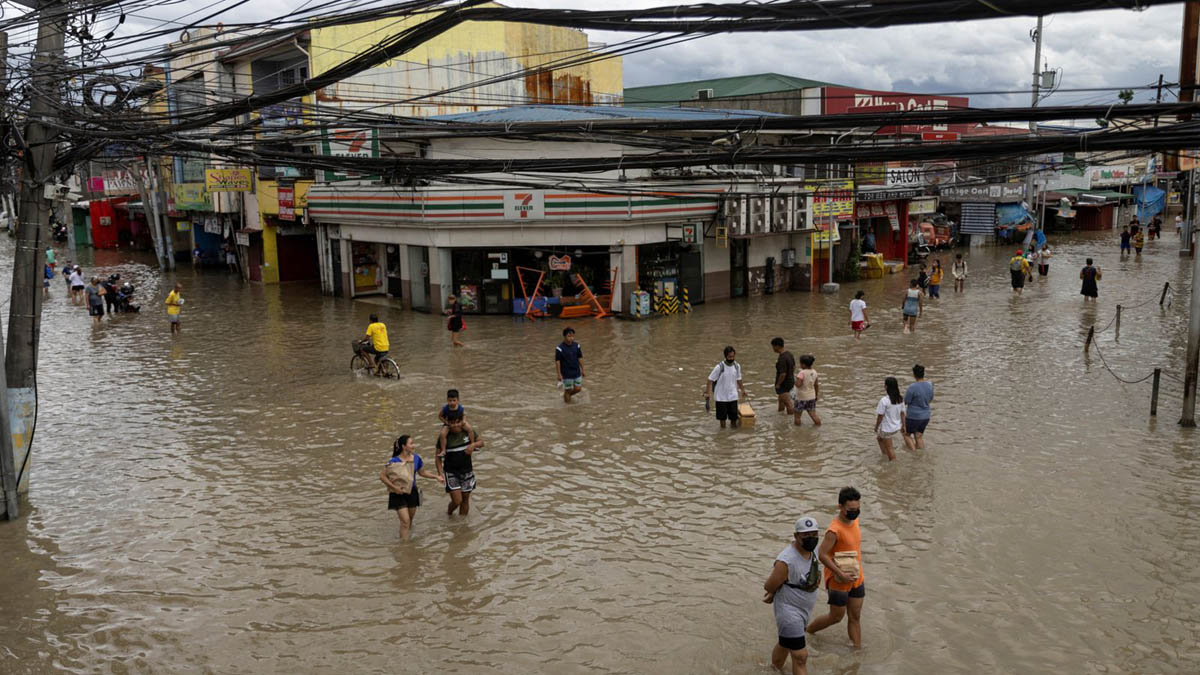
(211, 502)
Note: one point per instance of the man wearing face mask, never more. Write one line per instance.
(792, 589)
(841, 554)
(724, 382)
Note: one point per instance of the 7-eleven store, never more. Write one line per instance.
(422, 245)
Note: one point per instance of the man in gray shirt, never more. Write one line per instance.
(917, 400)
(792, 589)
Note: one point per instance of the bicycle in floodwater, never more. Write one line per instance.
(384, 365)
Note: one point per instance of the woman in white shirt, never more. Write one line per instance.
(889, 417)
(858, 315)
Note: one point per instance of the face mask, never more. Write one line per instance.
(809, 543)
(852, 514)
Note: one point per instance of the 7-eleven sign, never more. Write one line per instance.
(524, 205)
(349, 142)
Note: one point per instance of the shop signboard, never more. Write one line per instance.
(242, 238)
(525, 205)
(183, 226)
(1110, 175)
(844, 100)
(831, 199)
(286, 198)
(560, 263)
(995, 193)
(353, 142)
(95, 184)
(821, 236)
(933, 136)
(893, 215)
(212, 225)
(1189, 159)
(121, 182)
(889, 195)
(905, 176)
(923, 206)
(689, 234)
(227, 180)
(468, 296)
(281, 115)
(190, 197)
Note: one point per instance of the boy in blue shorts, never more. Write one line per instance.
(568, 363)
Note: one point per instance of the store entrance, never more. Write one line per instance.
(739, 271)
(482, 280)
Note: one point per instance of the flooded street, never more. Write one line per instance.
(211, 503)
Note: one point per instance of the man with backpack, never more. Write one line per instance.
(725, 382)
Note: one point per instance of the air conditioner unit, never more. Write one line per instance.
(759, 215)
(734, 211)
(783, 214)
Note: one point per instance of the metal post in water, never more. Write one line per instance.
(1118, 322)
(1154, 393)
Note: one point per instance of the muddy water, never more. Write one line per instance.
(210, 503)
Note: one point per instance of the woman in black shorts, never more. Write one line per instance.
(403, 502)
(455, 325)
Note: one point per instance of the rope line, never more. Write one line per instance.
(1111, 372)
(1170, 297)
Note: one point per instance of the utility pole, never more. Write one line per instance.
(1030, 184)
(1187, 92)
(25, 303)
(10, 506)
(1193, 349)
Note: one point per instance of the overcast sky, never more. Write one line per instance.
(1114, 48)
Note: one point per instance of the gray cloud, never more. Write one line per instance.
(1115, 48)
(1098, 49)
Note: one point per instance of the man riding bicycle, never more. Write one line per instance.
(376, 343)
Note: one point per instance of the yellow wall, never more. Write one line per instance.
(467, 53)
(267, 192)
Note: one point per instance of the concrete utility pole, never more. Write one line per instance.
(1187, 83)
(25, 303)
(9, 506)
(1030, 185)
(1193, 350)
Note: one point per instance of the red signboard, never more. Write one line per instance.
(939, 136)
(844, 100)
(287, 210)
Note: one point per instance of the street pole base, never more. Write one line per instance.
(830, 288)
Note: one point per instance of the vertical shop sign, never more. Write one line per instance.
(287, 208)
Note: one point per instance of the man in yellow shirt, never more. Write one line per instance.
(1018, 267)
(378, 337)
(174, 302)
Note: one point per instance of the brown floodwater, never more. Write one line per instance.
(211, 503)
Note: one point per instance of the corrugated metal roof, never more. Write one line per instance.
(743, 85)
(583, 113)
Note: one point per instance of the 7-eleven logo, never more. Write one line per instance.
(524, 205)
(353, 141)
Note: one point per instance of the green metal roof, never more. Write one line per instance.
(743, 85)
(1107, 194)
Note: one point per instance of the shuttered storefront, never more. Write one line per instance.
(978, 219)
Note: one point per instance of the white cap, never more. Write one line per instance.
(807, 524)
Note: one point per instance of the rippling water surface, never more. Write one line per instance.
(211, 503)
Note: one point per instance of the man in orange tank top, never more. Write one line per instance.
(844, 581)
